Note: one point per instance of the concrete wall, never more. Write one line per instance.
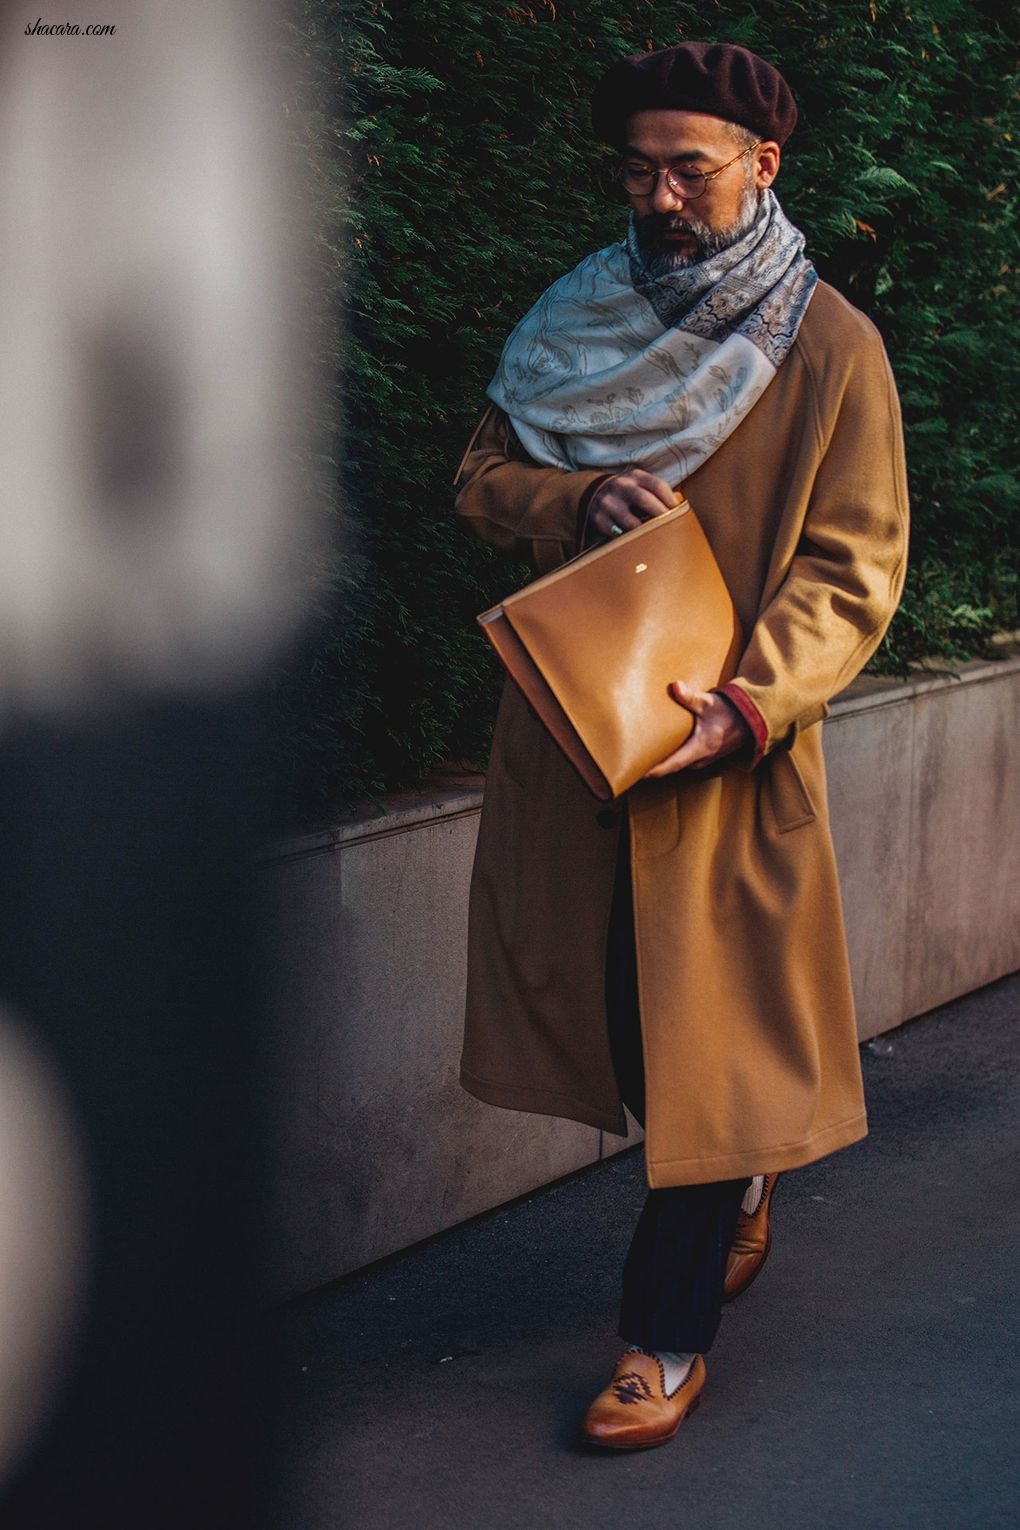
(924, 784)
(379, 1145)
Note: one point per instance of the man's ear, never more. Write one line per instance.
(767, 157)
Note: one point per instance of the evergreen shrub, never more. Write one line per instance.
(456, 177)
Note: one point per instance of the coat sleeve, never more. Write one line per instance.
(534, 512)
(830, 611)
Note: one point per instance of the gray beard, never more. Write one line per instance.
(662, 262)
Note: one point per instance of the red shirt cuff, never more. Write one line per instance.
(749, 712)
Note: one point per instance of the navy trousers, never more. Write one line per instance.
(675, 1267)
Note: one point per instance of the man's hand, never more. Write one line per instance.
(719, 730)
(627, 499)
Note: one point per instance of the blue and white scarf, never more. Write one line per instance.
(612, 368)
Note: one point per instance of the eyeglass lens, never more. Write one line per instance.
(683, 183)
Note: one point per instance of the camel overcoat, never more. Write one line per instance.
(747, 1016)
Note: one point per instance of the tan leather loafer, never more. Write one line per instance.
(751, 1244)
(634, 1412)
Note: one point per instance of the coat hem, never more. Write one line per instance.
(664, 1173)
(544, 1102)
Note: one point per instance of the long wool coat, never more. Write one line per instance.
(746, 1009)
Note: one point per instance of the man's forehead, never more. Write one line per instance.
(669, 134)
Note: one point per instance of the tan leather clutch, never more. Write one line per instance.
(594, 645)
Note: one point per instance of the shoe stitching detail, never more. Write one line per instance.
(662, 1372)
(632, 1387)
(689, 1377)
(766, 1181)
(744, 1240)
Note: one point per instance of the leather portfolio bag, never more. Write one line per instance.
(594, 645)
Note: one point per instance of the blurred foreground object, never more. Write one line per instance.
(147, 393)
(41, 1214)
(153, 541)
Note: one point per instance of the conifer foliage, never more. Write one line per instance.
(456, 177)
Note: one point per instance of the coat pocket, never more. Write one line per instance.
(789, 799)
(654, 808)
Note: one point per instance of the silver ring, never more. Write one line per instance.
(615, 531)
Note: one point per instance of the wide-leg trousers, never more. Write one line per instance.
(675, 1267)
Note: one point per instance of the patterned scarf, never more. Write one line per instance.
(613, 368)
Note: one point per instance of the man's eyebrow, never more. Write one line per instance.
(630, 152)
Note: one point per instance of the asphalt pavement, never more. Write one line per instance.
(867, 1381)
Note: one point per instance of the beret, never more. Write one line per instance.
(721, 79)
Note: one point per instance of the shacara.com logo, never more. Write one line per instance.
(42, 28)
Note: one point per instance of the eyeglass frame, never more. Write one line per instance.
(670, 171)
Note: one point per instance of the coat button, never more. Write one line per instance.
(607, 819)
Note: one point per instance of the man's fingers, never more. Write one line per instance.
(693, 701)
(718, 730)
(693, 747)
(646, 503)
(657, 486)
(689, 753)
(614, 513)
(628, 499)
(626, 508)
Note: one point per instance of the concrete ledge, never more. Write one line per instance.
(379, 1145)
(924, 786)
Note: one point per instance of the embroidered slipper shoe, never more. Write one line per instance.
(634, 1411)
(751, 1244)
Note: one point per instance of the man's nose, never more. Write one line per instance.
(664, 198)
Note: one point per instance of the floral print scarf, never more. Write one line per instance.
(614, 368)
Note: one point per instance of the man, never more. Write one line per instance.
(682, 951)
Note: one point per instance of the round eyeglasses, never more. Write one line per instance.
(641, 179)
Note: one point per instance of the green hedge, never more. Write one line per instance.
(456, 177)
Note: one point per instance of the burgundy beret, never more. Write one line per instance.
(721, 79)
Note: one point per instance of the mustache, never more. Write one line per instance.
(657, 224)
